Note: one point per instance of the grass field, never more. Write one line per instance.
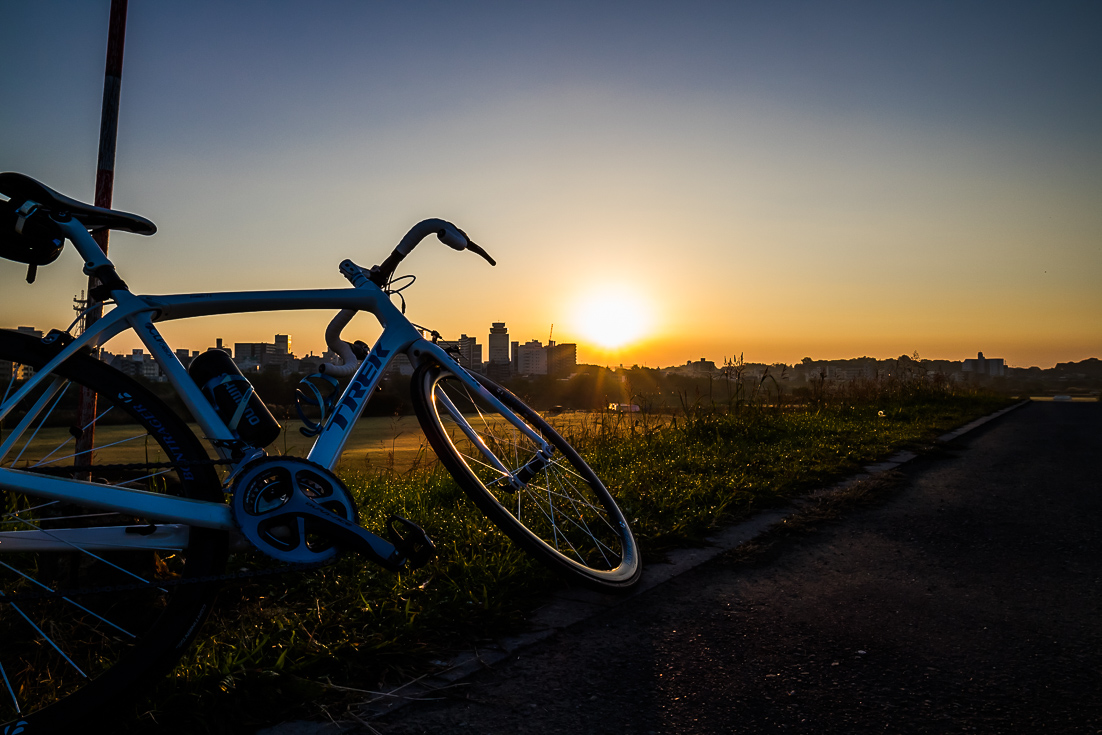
(284, 648)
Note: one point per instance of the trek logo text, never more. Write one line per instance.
(356, 392)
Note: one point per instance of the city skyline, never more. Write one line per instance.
(661, 182)
(285, 341)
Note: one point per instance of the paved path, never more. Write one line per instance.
(968, 600)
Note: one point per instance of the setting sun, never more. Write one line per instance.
(612, 318)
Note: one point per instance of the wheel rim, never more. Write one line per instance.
(58, 633)
(562, 506)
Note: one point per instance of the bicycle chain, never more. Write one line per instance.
(159, 584)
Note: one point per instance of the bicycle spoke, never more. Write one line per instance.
(554, 526)
(84, 516)
(145, 477)
(60, 394)
(77, 605)
(589, 531)
(499, 477)
(11, 692)
(71, 438)
(45, 637)
(99, 448)
(596, 508)
(578, 526)
(15, 515)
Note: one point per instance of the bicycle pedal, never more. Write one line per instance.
(412, 541)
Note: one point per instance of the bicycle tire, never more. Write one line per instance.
(157, 624)
(563, 516)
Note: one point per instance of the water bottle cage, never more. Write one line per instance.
(309, 396)
(242, 404)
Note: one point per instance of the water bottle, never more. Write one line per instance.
(234, 399)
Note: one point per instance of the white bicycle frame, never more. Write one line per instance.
(139, 313)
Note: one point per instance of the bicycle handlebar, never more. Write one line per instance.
(449, 234)
(380, 275)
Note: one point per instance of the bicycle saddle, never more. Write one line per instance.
(20, 187)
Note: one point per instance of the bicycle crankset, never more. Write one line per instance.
(297, 511)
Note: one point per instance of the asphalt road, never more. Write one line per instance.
(965, 598)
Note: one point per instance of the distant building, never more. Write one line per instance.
(259, 355)
(699, 367)
(562, 360)
(498, 366)
(139, 365)
(401, 364)
(185, 356)
(848, 371)
(13, 371)
(498, 343)
(309, 364)
(993, 367)
(531, 359)
(470, 353)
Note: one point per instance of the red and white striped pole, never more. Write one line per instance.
(105, 184)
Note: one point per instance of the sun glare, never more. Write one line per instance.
(612, 318)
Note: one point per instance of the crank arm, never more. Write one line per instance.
(412, 545)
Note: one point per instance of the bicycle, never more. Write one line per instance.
(115, 524)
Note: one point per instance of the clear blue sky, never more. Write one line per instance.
(777, 179)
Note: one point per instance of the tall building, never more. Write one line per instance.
(185, 356)
(498, 365)
(470, 353)
(255, 355)
(531, 359)
(498, 343)
(987, 366)
(138, 364)
(562, 360)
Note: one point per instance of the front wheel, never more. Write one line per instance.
(555, 507)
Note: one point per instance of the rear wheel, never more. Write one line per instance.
(556, 508)
(82, 623)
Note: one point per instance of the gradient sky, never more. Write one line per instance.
(774, 179)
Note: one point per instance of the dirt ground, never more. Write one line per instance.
(965, 598)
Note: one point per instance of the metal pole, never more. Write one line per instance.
(105, 184)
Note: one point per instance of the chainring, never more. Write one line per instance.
(282, 505)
